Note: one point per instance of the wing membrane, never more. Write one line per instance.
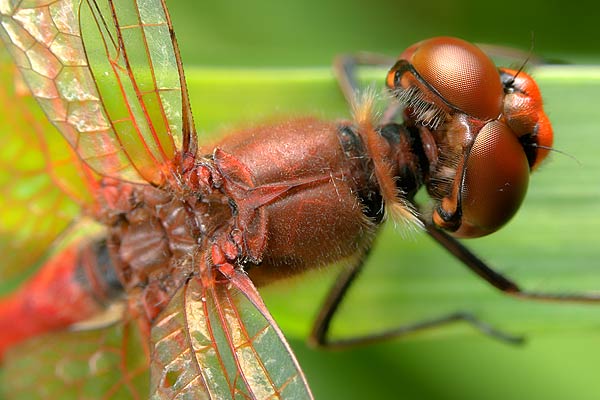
(216, 340)
(42, 181)
(108, 363)
(107, 77)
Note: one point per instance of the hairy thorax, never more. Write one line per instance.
(274, 201)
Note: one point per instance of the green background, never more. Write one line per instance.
(552, 244)
(309, 32)
(248, 61)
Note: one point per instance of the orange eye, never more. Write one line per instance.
(495, 181)
(460, 72)
(525, 115)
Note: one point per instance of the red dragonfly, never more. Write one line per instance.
(185, 232)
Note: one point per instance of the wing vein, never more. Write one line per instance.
(135, 84)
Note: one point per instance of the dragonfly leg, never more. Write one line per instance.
(496, 279)
(319, 333)
(345, 70)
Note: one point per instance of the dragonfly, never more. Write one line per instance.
(184, 233)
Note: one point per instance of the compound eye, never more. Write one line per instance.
(462, 74)
(496, 179)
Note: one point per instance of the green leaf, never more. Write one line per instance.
(552, 244)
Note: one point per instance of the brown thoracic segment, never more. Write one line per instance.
(277, 199)
(306, 201)
(297, 188)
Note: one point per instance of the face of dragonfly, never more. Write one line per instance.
(488, 126)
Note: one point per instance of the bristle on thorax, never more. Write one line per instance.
(401, 211)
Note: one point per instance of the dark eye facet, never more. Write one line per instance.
(495, 182)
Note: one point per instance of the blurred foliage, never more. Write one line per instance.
(551, 244)
(310, 32)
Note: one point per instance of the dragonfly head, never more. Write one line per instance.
(486, 125)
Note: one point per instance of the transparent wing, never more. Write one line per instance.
(216, 340)
(109, 77)
(42, 181)
(110, 363)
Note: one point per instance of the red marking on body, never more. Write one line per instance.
(51, 300)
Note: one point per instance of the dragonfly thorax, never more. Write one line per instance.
(154, 235)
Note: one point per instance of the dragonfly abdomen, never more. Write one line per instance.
(72, 286)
